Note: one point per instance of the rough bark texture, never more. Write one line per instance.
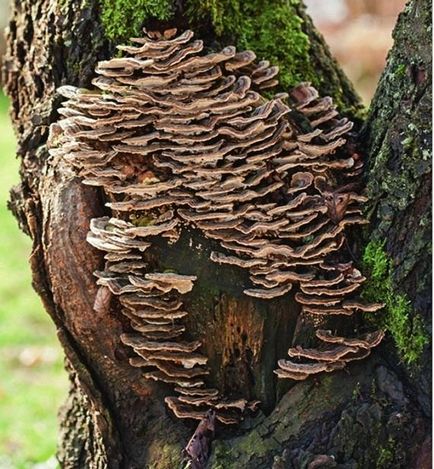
(398, 141)
(373, 415)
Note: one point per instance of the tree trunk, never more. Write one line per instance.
(398, 140)
(372, 415)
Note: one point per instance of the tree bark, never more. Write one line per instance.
(372, 415)
(398, 140)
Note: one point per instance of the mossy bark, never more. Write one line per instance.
(370, 416)
(397, 138)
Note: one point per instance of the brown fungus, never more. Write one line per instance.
(176, 136)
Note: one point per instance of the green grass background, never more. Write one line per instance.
(32, 380)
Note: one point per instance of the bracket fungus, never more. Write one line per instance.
(176, 136)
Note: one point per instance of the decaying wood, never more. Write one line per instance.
(177, 131)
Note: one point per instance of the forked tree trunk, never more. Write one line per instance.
(372, 415)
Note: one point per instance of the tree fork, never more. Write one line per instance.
(114, 419)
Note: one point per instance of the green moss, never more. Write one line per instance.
(169, 456)
(254, 444)
(400, 70)
(405, 326)
(386, 455)
(276, 30)
(279, 38)
(273, 29)
(357, 392)
(220, 455)
(142, 220)
(123, 19)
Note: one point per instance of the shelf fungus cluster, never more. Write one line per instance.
(327, 170)
(175, 137)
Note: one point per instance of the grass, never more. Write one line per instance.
(33, 382)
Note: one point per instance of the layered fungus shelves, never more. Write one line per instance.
(178, 138)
